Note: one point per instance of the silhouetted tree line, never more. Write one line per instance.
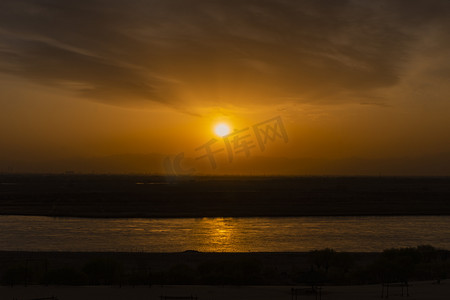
(323, 267)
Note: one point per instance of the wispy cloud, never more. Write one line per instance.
(207, 51)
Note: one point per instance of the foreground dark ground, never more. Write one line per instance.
(321, 266)
(155, 196)
(423, 290)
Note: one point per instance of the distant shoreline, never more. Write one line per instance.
(137, 196)
(137, 216)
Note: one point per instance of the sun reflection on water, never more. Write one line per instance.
(220, 234)
(359, 234)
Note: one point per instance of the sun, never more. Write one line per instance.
(222, 129)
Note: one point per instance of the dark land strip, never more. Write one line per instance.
(190, 267)
(161, 197)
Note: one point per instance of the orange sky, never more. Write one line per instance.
(349, 79)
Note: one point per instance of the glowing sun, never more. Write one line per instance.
(222, 129)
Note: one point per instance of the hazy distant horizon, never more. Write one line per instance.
(436, 165)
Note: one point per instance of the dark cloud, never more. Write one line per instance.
(213, 51)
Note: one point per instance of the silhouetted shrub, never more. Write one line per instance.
(181, 274)
(312, 277)
(158, 278)
(139, 277)
(427, 253)
(397, 264)
(323, 259)
(239, 272)
(66, 276)
(103, 271)
(402, 264)
(14, 275)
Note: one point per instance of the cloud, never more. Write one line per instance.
(212, 52)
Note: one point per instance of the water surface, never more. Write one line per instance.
(366, 234)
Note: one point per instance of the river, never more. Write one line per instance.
(359, 234)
